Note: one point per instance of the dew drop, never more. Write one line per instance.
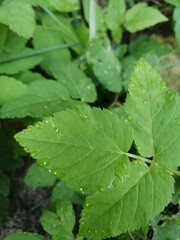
(145, 102)
(88, 87)
(46, 121)
(95, 231)
(56, 130)
(45, 107)
(33, 154)
(81, 190)
(115, 183)
(50, 171)
(89, 231)
(44, 163)
(37, 125)
(126, 121)
(26, 149)
(101, 189)
(83, 117)
(30, 129)
(130, 118)
(87, 205)
(178, 119)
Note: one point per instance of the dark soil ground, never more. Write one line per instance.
(26, 205)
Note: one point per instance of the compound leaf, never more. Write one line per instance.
(154, 115)
(129, 205)
(24, 24)
(78, 84)
(42, 98)
(87, 162)
(141, 16)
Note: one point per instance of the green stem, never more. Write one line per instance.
(138, 157)
(115, 101)
(131, 236)
(64, 28)
(92, 19)
(38, 52)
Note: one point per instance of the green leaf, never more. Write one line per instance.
(176, 17)
(4, 195)
(168, 230)
(24, 236)
(62, 192)
(61, 25)
(10, 89)
(16, 63)
(3, 34)
(144, 44)
(78, 84)
(46, 37)
(106, 67)
(115, 14)
(19, 16)
(29, 77)
(141, 16)
(154, 115)
(61, 223)
(87, 162)
(64, 5)
(128, 206)
(42, 98)
(37, 176)
(174, 2)
(66, 213)
(14, 43)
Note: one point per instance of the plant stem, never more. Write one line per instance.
(138, 157)
(35, 53)
(64, 28)
(92, 19)
(131, 236)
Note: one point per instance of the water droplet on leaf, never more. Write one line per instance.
(178, 119)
